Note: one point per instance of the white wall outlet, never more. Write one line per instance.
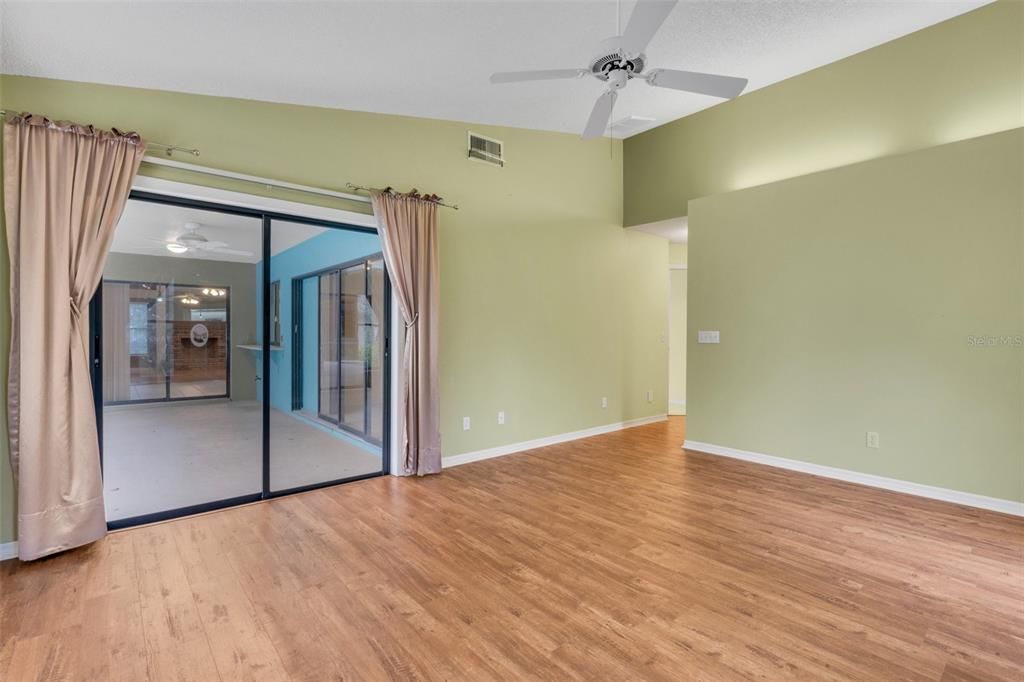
(707, 336)
(465, 423)
(501, 417)
(872, 440)
(604, 402)
(650, 396)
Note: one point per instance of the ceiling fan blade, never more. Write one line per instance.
(693, 81)
(207, 245)
(218, 247)
(644, 22)
(600, 115)
(231, 252)
(544, 75)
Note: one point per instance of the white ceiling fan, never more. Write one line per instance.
(621, 58)
(191, 240)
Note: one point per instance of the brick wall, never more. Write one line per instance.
(207, 362)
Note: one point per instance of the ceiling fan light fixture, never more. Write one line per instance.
(175, 247)
(621, 58)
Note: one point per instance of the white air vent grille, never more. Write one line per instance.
(625, 127)
(486, 149)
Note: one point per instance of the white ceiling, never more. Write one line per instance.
(145, 228)
(432, 59)
(675, 230)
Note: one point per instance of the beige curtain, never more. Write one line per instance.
(65, 186)
(409, 233)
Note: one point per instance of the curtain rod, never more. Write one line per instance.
(168, 148)
(437, 201)
(256, 180)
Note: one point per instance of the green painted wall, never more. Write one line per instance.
(677, 253)
(547, 303)
(850, 301)
(952, 81)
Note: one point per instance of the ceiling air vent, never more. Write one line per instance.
(631, 125)
(487, 150)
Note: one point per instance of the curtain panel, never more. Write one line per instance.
(409, 235)
(65, 186)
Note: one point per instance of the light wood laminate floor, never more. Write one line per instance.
(618, 557)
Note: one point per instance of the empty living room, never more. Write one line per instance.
(512, 340)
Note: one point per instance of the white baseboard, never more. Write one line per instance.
(8, 550)
(502, 450)
(894, 484)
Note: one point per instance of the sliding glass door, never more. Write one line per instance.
(181, 425)
(351, 311)
(237, 355)
(329, 303)
(335, 384)
(177, 341)
(374, 334)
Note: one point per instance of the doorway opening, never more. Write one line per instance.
(677, 335)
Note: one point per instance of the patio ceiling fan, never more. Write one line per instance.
(621, 58)
(191, 241)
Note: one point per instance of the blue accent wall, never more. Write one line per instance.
(332, 247)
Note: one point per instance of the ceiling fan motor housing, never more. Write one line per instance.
(191, 234)
(612, 64)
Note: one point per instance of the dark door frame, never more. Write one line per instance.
(267, 218)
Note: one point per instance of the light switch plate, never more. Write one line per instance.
(465, 423)
(707, 336)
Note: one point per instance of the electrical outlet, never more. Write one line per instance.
(650, 396)
(604, 402)
(465, 423)
(501, 417)
(708, 336)
(872, 440)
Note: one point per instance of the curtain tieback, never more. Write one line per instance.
(415, 319)
(75, 312)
